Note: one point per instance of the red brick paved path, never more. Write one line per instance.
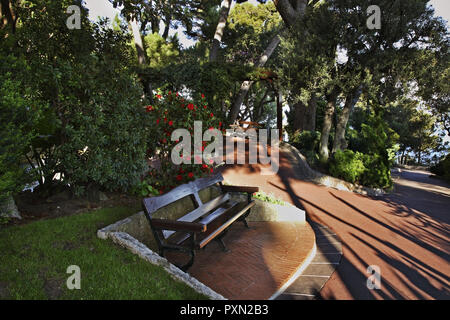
(406, 233)
(260, 261)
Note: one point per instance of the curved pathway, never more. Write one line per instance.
(406, 233)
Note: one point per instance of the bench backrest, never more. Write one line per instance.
(192, 189)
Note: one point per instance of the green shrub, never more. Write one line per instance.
(268, 198)
(347, 165)
(306, 140)
(442, 168)
(16, 118)
(377, 173)
(438, 168)
(91, 119)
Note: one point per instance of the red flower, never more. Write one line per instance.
(212, 114)
(158, 96)
(190, 106)
(204, 166)
(170, 123)
(179, 177)
(211, 170)
(204, 107)
(203, 96)
(190, 175)
(149, 108)
(157, 121)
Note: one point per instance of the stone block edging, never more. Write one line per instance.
(125, 240)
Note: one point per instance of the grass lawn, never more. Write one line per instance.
(34, 260)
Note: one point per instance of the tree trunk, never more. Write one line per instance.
(352, 98)
(165, 34)
(280, 114)
(290, 10)
(142, 59)
(327, 122)
(246, 85)
(139, 44)
(305, 115)
(8, 18)
(223, 16)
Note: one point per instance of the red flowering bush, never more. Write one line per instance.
(171, 111)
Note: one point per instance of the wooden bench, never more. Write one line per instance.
(208, 221)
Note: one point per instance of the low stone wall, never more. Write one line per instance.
(8, 209)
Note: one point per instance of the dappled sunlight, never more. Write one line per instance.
(410, 246)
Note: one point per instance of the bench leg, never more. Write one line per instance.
(222, 244)
(186, 266)
(244, 219)
(220, 241)
(190, 263)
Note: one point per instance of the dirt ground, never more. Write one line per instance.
(34, 207)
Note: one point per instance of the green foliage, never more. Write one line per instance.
(160, 51)
(442, 168)
(347, 165)
(305, 140)
(364, 169)
(267, 198)
(377, 173)
(415, 127)
(378, 143)
(143, 189)
(17, 116)
(90, 124)
(371, 142)
(249, 30)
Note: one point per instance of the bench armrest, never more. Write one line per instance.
(165, 224)
(247, 189)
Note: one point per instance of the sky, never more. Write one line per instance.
(105, 9)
